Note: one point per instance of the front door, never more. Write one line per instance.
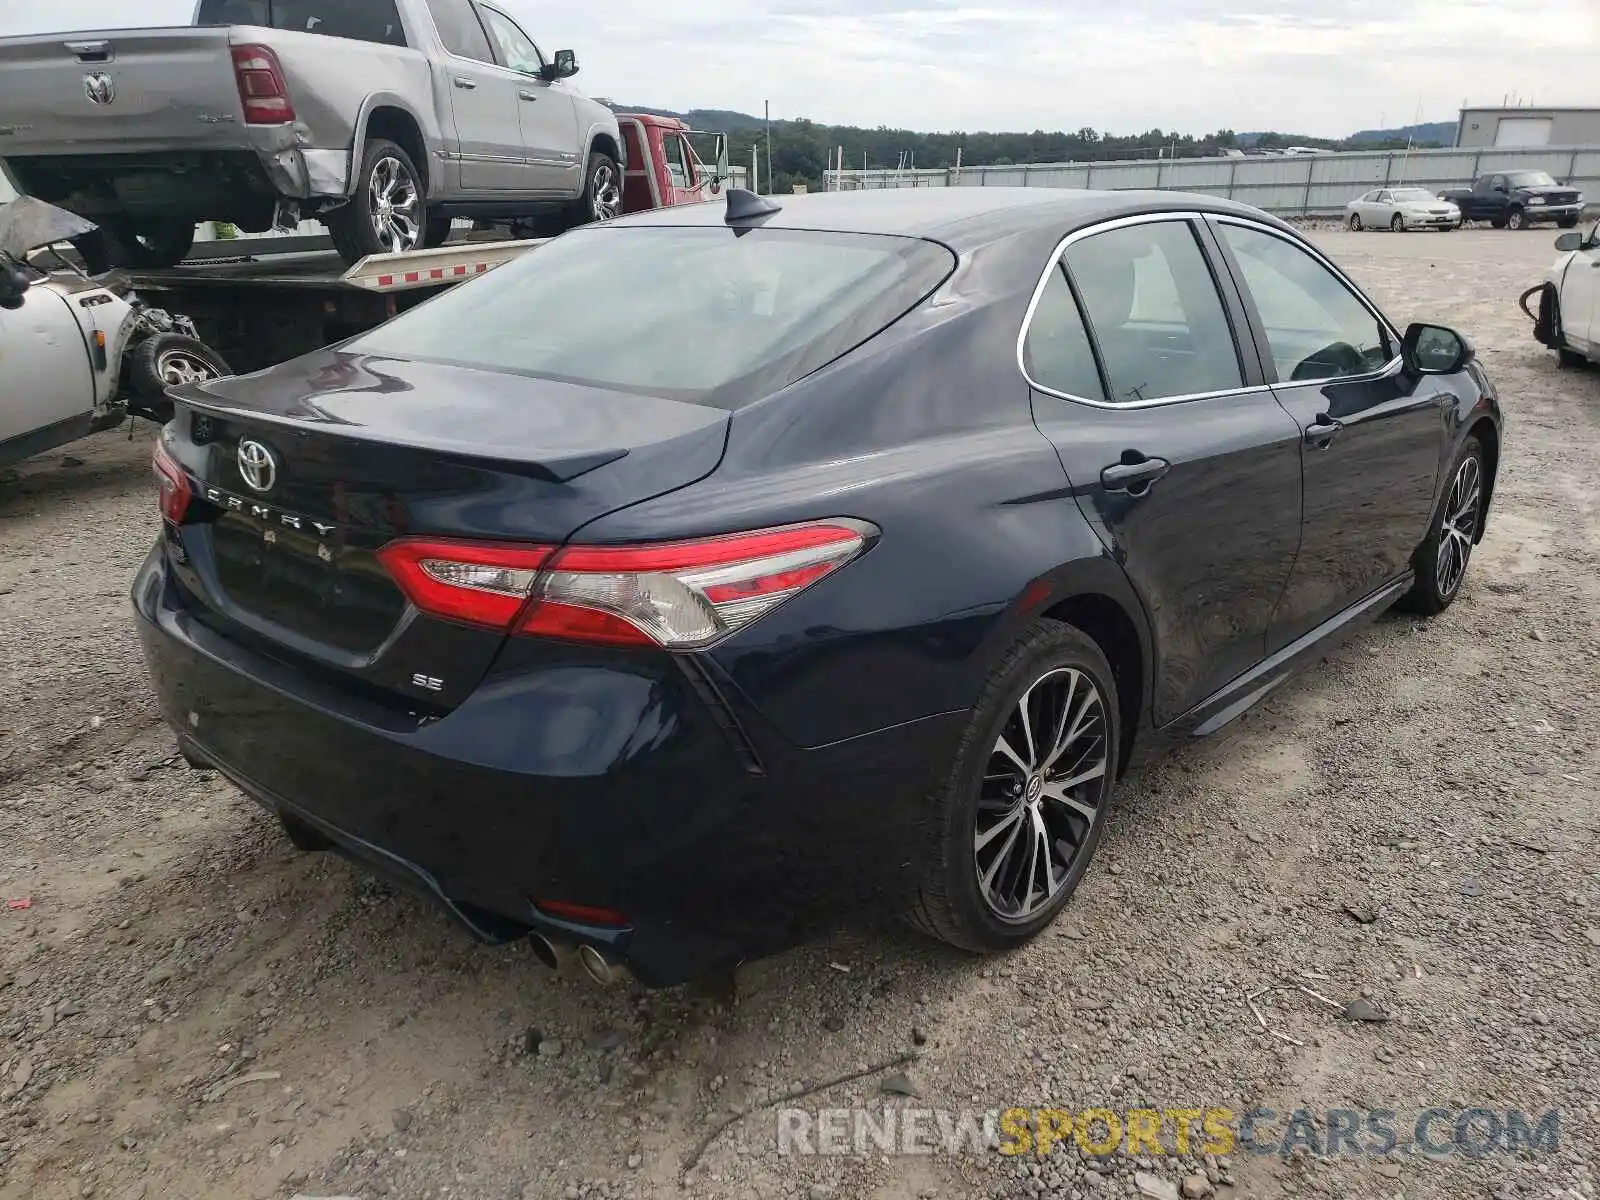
(1373, 434)
(547, 116)
(1580, 295)
(1176, 451)
(45, 377)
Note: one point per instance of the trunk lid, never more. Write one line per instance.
(302, 473)
(118, 91)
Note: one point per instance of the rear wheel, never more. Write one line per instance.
(1025, 803)
(1397, 223)
(1516, 219)
(1497, 222)
(386, 213)
(1355, 222)
(1441, 561)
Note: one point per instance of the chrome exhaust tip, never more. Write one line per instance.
(600, 968)
(545, 951)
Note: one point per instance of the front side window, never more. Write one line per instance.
(460, 30)
(672, 155)
(1315, 325)
(517, 51)
(360, 20)
(704, 314)
(1055, 351)
(1155, 312)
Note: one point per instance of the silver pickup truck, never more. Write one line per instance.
(384, 119)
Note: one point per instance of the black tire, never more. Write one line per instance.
(355, 226)
(1437, 583)
(1516, 219)
(1355, 222)
(148, 243)
(1570, 358)
(1497, 222)
(1397, 224)
(602, 192)
(167, 360)
(436, 232)
(1566, 222)
(951, 904)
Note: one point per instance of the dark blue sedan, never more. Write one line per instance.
(707, 576)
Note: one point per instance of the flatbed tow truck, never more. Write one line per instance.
(259, 308)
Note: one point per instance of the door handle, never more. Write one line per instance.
(466, 81)
(1133, 477)
(527, 94)
(1322, 432)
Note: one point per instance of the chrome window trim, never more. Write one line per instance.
(1079, 235)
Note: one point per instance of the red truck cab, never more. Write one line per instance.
(663, 168)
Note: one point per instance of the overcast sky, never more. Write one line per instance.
(1321, 67)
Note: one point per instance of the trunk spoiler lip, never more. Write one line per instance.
(560, 468)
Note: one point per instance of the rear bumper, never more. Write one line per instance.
(583, 777)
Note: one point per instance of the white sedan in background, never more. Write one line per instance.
(1400, 209)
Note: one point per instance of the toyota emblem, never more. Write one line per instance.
(258, 467)
(99, 87)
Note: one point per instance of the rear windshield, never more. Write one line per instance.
(362, 20)
(688, 313)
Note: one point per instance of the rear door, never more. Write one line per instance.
(483, 100)
(1373, 434)
(1176, 450)
(549, 122)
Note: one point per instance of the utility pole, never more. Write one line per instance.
(768, 104)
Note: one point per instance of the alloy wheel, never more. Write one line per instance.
(605, 192)
(1039, 799)
(1355, 222)
(1459, 527)
(176, 367)
(395, 204)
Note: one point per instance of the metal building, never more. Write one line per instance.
(1522, 127)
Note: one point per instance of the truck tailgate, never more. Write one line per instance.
(120, 91)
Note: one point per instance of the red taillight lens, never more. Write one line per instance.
(262, 89)
(678, 595)
(684, 594)
(481, 583)
(174, 484)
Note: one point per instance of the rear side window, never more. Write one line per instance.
(359, 20)
(689, 313)
(459, 29)
(1155, 312)
(1056, 353)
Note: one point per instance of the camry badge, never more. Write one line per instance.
(257, 465)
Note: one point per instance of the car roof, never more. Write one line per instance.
(963, 218)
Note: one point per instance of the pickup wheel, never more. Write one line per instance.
(436, 231)
(167, 360)
(1498, 222)
(602, 192)
(386, 213)
(1516, 219)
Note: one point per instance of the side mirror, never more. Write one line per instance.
(13, 284)
(564, 67)
(1435, 349)
(719, 147)
(1570, 241)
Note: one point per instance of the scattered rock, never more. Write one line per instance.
(1472, 888)
(402, 1120)
(1593, 935)
(1196, 1187)
(1154, 1186)
(833, 1023)
(1363, 1010)
(1257, 838)
(1363, 914)
(71, 460)
(551, 1048)
(634, 1160)
(818, 1191)
(919, 1035)
(898, 1084)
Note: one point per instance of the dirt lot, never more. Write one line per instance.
(1414, 821)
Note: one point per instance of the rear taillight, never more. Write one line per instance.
(174, 484)
(262, 89)
(677, 595)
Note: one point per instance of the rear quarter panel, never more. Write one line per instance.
(336, 83)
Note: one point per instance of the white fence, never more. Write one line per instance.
(1305, 185)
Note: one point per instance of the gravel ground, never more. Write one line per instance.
(189, 1008)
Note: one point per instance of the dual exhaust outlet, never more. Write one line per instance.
(596, 964)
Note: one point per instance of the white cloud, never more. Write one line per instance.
(1191, 65)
